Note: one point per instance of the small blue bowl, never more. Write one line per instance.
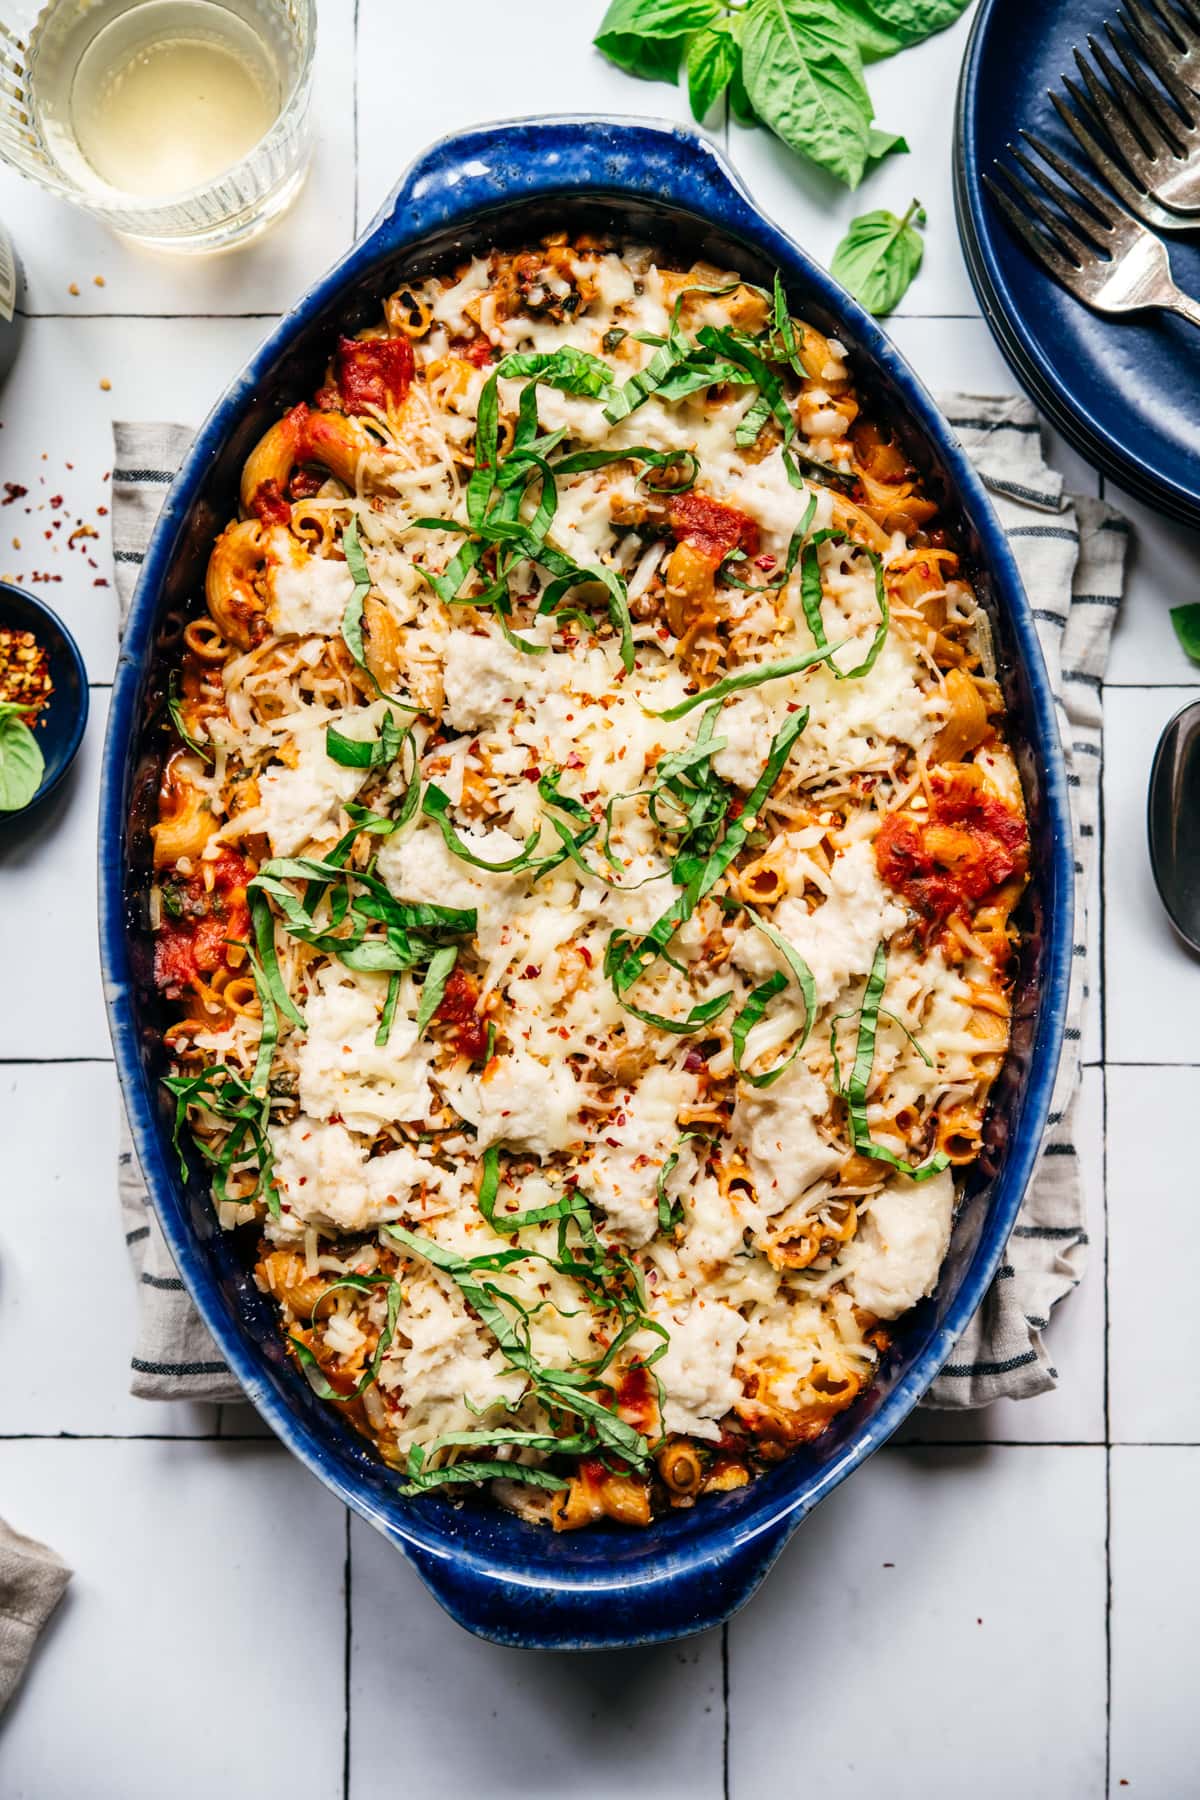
(61, 722)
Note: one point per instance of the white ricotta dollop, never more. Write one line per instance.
(309, 596)
(895, 1259)
(622, 1173)
(529, 1104)
(697, 1368)
(323, 1173)
(345, 1074)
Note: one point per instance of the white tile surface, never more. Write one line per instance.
(646, 1724)
(1152, 980)
(52, 1002)
(185, 1659)
(158, 369)
(1155, 1604)
(935, 1629)
(815, 210)
(1163, 568)
(59, 245)
(178, 1544)
(512, 65)
(66, 1280)
(1152, 1349)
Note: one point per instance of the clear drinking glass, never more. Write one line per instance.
(182, 123)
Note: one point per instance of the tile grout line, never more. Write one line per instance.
(725, 1706)
(1102, 848)
(347, 1654)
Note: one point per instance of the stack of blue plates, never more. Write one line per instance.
(1125, 392)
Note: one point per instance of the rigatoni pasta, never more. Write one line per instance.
(585, 869)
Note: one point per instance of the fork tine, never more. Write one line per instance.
(1115, 124)
(1101, 204)
(1099, 234)
(1146, 121)
(1047, 253)
(1081, 249)
(1175, 122)
(1158, 52)
(1079, 125)
(1156, 27)
(1186, 28)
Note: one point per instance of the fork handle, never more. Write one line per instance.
(1185, 306)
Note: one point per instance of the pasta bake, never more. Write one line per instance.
(585, 868)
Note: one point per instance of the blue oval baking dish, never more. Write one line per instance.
(497, 1575)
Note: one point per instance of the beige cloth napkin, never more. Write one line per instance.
(1071, 553)
(32, 1581)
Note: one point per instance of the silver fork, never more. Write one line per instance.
(1156, 131)
(1099, 252)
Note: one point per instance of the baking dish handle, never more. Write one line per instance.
(603, 1606)
(500, 164)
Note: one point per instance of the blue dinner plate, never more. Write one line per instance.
(1125, 392)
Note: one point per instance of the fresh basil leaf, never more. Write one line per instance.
(646, 37)
(366, 753)
(884, 143)
(436, 976)
(421, 1481)
(739, 100)
(803, 75)
(712, 57)
(881, 27)
(573, 371)
(761, 997)
(22, 764)
(879, 257)
(801, 468)
(1186, 620)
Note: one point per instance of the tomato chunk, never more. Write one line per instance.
(373, 371)
(457, 1008)
(711, 527)
(946, 860)
(269, 505)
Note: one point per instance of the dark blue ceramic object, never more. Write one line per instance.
(1125, 392)
(504, 1579)
(61, 721)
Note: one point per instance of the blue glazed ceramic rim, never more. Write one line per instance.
(698, 1567)
(65, 643)
(981, 233)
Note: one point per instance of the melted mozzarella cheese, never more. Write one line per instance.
(309, 595)
(323, 1175)
(901, 1243)
(697, 1368)
(345, 1074)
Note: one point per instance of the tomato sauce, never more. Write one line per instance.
(373, 371)
(193, 939)
(947, 860)
(269, 505)
(711, 527)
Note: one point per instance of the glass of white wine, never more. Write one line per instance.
(182, 123)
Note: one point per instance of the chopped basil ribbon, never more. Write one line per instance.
(368, 753)
(581, 460)
(421, 1480)
(356, 562)
(387, 1016)
(670, 1213)
(436, 976)
(748, 678)
(245, 1108)
(626, 958)
(175, 708)
(559, 1390)
(801, 468)
(678, 367)
(570, 1205)
(312, 1368)
(761, 998)
(436, 805)
(263, 922)
(855, 1091)
(785, 327)
(783, 575)
(810, 599)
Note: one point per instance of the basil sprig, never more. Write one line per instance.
(795, 66)
(367, 753)
(854, 1091)
(22, 764)
(175, 709)
(352, 618)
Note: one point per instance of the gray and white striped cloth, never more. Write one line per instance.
(1071, 553)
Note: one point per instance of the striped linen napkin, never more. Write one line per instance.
(33, 1579)
(1071, 553)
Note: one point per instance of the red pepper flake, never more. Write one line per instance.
(13, 491)
(532, 971)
